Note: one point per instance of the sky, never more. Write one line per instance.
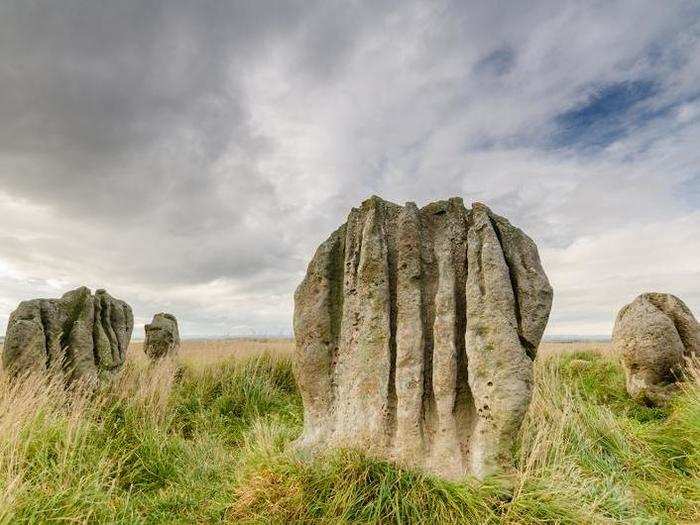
(190, 156)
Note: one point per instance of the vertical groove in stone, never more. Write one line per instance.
(512, 277)
(108, 320)
(463, 412)
(337, 302)
(429, 284)
(410, 340)
(105, 317)
(126, 337)
(45, 327)
(353, 243)
(445, 363)
(98, 335)
(350, 308)
(428, 318)
(80, 351)
(111, 330)
(388, 225)
(372, 356)
(500, 373)
(342, 373)
(531, 288)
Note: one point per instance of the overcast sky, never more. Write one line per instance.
(190, 156)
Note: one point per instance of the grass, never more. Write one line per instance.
(208, 443)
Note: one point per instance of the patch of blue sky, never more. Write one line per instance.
(609, 114)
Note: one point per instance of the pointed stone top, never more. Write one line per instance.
(480, 206)
(372, 202)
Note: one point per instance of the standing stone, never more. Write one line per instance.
(415, 331)
(162, 337)
(654, 335)
(80, 335)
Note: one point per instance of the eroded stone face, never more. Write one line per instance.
(80, 335)
(653, 335)
(162, 337)
(415, 332)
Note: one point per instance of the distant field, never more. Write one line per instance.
(203, 352)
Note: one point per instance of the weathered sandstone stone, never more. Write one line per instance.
(162, 337)
(653, 335)
(415, 333)
(79, 335)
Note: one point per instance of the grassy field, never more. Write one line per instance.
(207, 443)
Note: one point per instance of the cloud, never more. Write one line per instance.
(192, 156)
(596, 275)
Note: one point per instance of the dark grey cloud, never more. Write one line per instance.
(100, 97)
(117, 112)
(498, 62)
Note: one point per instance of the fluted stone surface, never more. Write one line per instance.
(415, 332)
(162, 337)
(79, 335)
(654, 335)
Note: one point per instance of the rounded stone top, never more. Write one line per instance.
(162, 336)
(654, 335)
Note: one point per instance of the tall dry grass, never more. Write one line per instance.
(206, 442)
(203, 353)
(556, 348)
(100, 456)
(52, 441)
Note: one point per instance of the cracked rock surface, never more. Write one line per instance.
(415, 332)
(80, 335)
(162, 337)
(654, 335)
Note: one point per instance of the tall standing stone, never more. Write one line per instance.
(162, 337)
(415, 332)
(654, 335)
(80, 335)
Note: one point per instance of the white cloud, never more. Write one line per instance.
(596, 275)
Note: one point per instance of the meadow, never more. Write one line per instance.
(206, 442)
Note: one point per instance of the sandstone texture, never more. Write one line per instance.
(415, 333)
(80, 335)
(162, 337)
(654, 335)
